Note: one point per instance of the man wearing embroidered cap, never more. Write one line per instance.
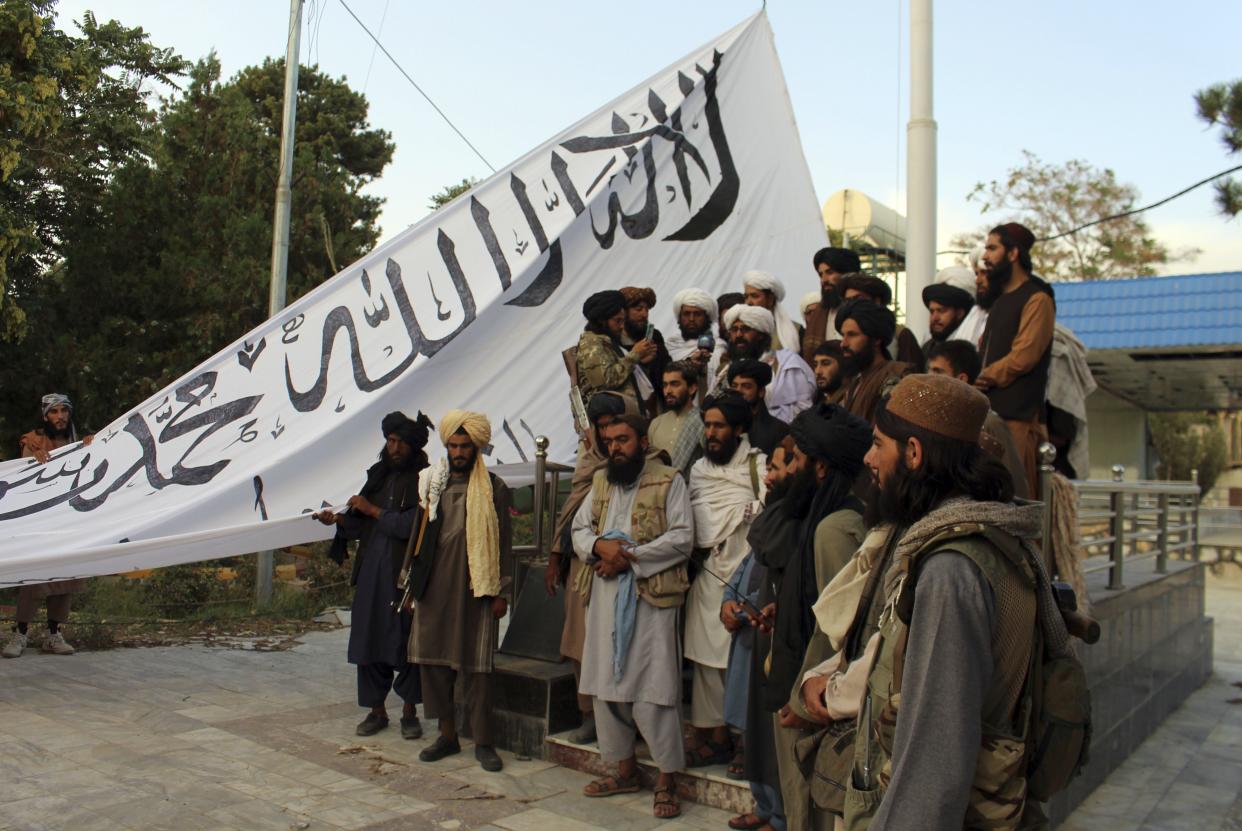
(765, 291)
(751, 337)
(56, 429)
(456, 584)
(952, 658)
(639, 301)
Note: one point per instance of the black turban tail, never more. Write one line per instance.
(831, 433)
(603, 305)
(758, 371)
(734, 408)
(874, 321)
(605, 403)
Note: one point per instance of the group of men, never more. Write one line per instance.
(760, 515)
(754, 500)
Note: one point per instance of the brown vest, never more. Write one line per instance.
(1024, 398)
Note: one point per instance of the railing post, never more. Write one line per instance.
(541, 486)
(1047, 455)
(1162, 559)
(1117, 527)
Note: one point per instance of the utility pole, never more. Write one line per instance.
(920, 169)
(280, 233)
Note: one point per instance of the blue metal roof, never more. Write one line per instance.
(1154, 312)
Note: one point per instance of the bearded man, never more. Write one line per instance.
(749, 379)
(948, 299)
(382, 517)
(763, 290)
(726, 494)
(831, 264)
(696, 314)
(566, 569)
(635, 531)
(828, 365)
(456, 584)
(966, 634)
(792, 388)
(56, 430)
(601, 363)
(639, 301)
(866, 331)
(1017, 341)
(803, 539)
(869, 287)
(678, 431)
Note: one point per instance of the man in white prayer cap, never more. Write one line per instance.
(765, 291)
(751, 334)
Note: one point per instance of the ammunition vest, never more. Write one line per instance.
(998, 793)
(667, 588)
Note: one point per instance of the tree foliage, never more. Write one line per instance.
(1053, 199)
(1220, 105)
(72, 110)
(451, 192)
(175, 262)
(1189, 442)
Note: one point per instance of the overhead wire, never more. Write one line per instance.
(414, 84)
(374, 49)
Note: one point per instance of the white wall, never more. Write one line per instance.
(1118, 435)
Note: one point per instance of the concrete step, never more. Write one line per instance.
(706, 786)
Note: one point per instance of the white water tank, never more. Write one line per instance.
(863, 219)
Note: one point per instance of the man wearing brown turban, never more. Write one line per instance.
(866, 331)
(639, 301)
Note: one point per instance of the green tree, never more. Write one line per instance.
(1053, 199)
(1220, 105)
(1189, 442)
(176, 263)
(72, 109)
(451, 192)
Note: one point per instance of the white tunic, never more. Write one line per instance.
(653, 666)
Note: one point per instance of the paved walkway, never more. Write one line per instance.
(206, 738)
(1188, 774)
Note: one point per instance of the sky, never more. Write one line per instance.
(1107, 82)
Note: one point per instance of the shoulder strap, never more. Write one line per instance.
(855, 638)
(754, 474)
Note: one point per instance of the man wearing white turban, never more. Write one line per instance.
(764, 290)
(695, 312)
(455, 581)
(792, 389)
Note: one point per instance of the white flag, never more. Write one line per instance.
(689, 179)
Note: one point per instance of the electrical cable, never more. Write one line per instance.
(374, 49)
(414, 84)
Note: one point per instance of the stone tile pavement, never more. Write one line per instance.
(193, 738)
(1188, 774)
(199, 738)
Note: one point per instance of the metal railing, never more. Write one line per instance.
(1124, 522)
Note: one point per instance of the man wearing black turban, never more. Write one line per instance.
(382, 517)
(866, 331)
(804, 536)
(602, 363)
(905, 345)
(750, 378)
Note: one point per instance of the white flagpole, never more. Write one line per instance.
(921, 169)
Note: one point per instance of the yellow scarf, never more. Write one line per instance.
(482, 524)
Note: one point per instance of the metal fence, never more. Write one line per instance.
(1126, 522)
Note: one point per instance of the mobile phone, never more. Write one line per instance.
(650, 329)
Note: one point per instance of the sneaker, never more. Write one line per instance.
(371, 725)
(440, 748)
(488, 758)
(411, 728)
(13, 649)
(586, 733)
(55, 644)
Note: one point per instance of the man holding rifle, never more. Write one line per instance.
(382, 517)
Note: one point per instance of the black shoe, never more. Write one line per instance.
(371, 725)
(440, 748)
(488, 758)
(411, 728)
